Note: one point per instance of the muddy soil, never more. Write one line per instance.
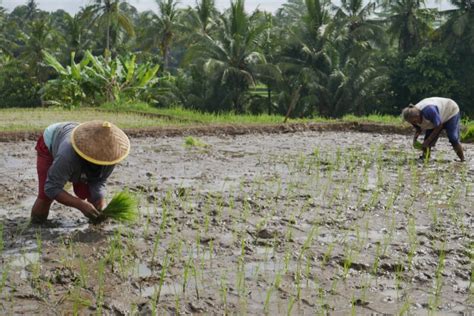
(298, 223)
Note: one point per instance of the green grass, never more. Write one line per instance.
(468, 135)
(36, 119)
(128, 115)
(374, 118)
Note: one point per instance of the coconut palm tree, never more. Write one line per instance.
(459, 28)
(201, 18)
(167, 22)
(108, 14)
(356, 29)
(41, 36)
(305, 57)
(158, 31)
(409, 23)
(232, 55)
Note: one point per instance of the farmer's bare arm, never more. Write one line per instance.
(432, 136)
(85, 207)
(99, 204)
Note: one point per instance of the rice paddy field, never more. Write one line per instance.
(302, 223)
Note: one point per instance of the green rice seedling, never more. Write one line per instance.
(211, 251)
(223, 289)
(78, 302)
(83, 273)
(123, 207)
(405, 308)
(3, 281)
(413, 243)
(375, 265)
(271, 289)
(241, 269)
(468, 134)
(328, 252)
(2, 243)
(191, 141)
(177, 304)
(147, 225)
(307, 270)
(438, 278)
(195, 275)
(101, 282)
(163, 272)
(291, 304)
(398, 276)
(154, 302)
(348, 259)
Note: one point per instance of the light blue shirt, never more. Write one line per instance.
(48, 134)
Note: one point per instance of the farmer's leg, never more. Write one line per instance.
(40, 209)
(452, 127)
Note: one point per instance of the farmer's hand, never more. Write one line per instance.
(99, 204)
(89, 210)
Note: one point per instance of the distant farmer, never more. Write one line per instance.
(432, 115)
(84, 154)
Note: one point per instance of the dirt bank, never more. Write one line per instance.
(238, 129)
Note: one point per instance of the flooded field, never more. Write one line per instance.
(301, 223)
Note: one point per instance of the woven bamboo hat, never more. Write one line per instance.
(100, 142)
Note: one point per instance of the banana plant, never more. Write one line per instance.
(94, 79)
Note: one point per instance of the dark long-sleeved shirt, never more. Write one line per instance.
(69, 166)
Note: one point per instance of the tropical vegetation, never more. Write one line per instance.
(309, 58)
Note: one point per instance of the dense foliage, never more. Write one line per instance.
(311, 57)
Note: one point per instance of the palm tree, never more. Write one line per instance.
(77, 34)
(166, 23)
(157, 31)
(409, 23)
(459, 28)
(5, 44)
(108, 13)
(41, 36)
(306, 57)
(232, 56)
(356, 30)
(201, 18)
(32, 9)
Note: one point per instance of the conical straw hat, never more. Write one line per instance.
(100, 142)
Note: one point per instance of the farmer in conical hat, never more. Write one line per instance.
(432, 115)
(84, 154)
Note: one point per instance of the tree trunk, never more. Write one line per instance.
(294, 99)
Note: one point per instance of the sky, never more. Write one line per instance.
(73, 6)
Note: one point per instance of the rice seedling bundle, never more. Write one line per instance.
(418, 145)
(194, 142)
(123, 207)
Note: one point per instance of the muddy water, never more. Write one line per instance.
(300, 223)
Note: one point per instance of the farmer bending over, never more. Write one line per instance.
(433, 115)
(84, 154)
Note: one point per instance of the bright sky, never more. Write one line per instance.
(73, 6)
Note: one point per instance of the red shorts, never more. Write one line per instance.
(44, 160)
